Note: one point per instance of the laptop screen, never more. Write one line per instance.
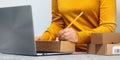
(16, 30)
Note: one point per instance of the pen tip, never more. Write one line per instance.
(81, 13)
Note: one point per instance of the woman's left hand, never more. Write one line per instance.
(68, 34)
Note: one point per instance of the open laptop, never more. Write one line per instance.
(16, 31)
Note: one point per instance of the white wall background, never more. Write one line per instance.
(42, 12)
(118, 16)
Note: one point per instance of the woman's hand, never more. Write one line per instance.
(68, 34)
(38, 38)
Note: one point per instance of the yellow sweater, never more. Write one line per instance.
(99, 16)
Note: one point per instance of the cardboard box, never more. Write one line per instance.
(104, 49)
(105, 38)
(55, 46)
(91, 48)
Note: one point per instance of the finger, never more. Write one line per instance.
(65, 36)
(63, 31)
(36, 38)
(68, 37)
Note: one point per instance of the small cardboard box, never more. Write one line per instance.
(55, 46)
(104, 49)
(105, 38)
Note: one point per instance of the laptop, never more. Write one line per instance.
(16, 31)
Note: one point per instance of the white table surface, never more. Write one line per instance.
(78, 56)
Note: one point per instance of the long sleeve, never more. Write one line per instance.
(107, 21)
(99, 16)
(56, 24)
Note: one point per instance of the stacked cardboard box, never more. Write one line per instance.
(104, 44)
